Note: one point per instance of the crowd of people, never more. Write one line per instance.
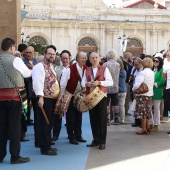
(36, 83)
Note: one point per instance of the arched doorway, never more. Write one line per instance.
(87, 45)
(38, 40)
(39, 43)
(134, 46)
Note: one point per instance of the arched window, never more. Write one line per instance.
(38, 40)
(87, 42)
(134, 43)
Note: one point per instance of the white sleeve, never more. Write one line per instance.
(64, 79)
(38, 78)
(138, 80)
(21, 67)
(108, 79)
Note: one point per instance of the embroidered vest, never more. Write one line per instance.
(72, 85)
(99, 77)
(51, 86)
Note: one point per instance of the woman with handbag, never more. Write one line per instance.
(143, 87)
(158, 90)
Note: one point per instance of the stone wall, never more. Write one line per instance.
(10, 20)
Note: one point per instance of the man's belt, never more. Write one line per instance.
(9, 94)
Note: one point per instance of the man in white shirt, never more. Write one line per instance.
(11, 68)
(65, 59)
(71, 82)
(46, 88)
(98, 76)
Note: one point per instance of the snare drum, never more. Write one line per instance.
(93, 98)
(78, 101)
(62, 103)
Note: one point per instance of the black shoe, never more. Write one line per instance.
(92, 144)
(20, 160)
(37, 145)
(73, 141)
(54, 138)
(52, 143)
(81, 140)
(53, 149)
(168, 132)
(116, 121)
(29, 123)
(102, 146)
(134, 125)
(49, 152)
(24, 139)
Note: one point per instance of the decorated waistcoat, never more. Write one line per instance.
(51, 81)
(99, 77)
(72, 84)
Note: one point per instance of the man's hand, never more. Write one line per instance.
(95, 83)
(88, 84)
(30, 66)
(41, 101)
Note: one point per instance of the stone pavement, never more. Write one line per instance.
(127, 151)
(124, 151)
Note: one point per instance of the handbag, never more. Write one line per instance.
(143, 88)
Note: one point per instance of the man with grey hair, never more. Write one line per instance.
(134, 73)
(112, 91)
(128, 67)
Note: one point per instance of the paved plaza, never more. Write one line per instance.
(124, 151)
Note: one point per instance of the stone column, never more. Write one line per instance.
(10, 20)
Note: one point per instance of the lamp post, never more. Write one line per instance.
(23, 37)
(123, 42)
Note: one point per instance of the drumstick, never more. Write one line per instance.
(45, 116)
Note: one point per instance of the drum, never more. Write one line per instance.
(93, 98)
(62, 103)
(78, 101)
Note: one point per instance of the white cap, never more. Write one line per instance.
(158, 55)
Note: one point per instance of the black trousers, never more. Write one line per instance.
(35, 109)
(44, 129)
(98, 121)
(56, 127)
(73, 121)
(10, 123)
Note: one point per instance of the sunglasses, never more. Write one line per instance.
(157, 61)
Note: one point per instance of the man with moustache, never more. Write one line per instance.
(71, 82)
(100, 76)
(46, 88)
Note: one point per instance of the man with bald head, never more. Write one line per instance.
(30, 61)
(71, 82)
(98, 76)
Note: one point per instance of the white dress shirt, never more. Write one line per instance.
(38, 77)
(66, 76)
(105, 83)
(21, 67)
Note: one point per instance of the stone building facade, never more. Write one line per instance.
(78, 25)
(10, 20)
